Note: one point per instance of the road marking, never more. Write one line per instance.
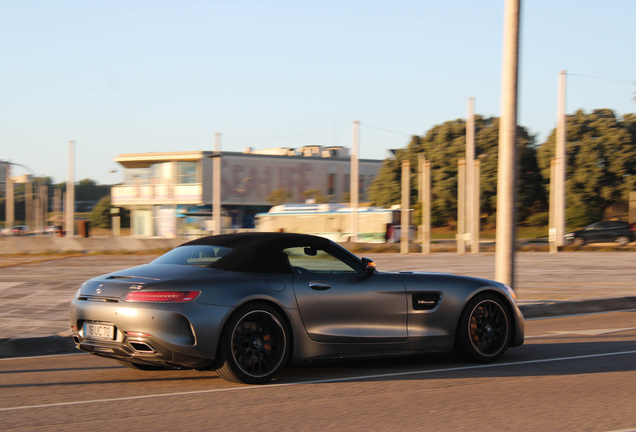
(324, 381)
(595, 332)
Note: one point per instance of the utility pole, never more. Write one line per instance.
(552, 231)
(506, 177)
(461, 207)
(474, 210)
(472, 181)
(216, 184)
(70, 191)
(406, 198)
(424, 196)
(561, 170)
(9, 200)
(355, 182)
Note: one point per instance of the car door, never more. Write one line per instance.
(341, 304)
(600, 232)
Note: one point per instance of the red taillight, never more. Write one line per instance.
(632, 227)
(161, 296)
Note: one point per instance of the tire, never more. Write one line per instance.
(139, 366)
(484, 331)
(579, 241)
(254, 345)
(621, 240)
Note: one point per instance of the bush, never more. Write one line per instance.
(538, 219)
(581, 216)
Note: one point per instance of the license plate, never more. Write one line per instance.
(99, 331)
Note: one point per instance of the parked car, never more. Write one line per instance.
(248, 304)
(52, 229)
(20, 230)
(619, 232)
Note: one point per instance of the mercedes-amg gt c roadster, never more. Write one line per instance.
(247, 305)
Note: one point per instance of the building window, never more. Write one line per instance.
(331, 184)
(186, 172)
(347, 183)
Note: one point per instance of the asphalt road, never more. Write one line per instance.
(573, 374)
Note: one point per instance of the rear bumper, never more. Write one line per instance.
(184, 335)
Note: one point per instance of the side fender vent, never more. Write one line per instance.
(426, 300)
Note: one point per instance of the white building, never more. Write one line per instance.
(162, 188)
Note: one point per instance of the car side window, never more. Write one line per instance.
(617, 224)
(601, 226)
(309, 259)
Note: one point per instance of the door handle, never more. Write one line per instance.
(319, 285)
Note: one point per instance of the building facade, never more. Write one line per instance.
(171, 192)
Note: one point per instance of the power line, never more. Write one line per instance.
(386, 130)
(288, 136)
(601, 78)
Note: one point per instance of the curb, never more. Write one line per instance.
(555, 309)
(37, 346)
(49, 345)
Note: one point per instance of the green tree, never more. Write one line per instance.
(316, 194)
(102, 218)
(279, 196)
(443, 145)
(601, 162)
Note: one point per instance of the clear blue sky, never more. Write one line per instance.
(140, 76)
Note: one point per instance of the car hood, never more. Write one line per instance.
(142, 277)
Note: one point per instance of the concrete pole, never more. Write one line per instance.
(355, 182)
(632, 207)
(57, 206)
(426, 208)
(552, 232)
(506, 177)
(216, 184)
(470, 157)
(475, 210)
(421, 160)
(9, 200)
(561, 163)
(28, 204)
(406, 199)
(45, 204)
(70, 191)
(461, 207)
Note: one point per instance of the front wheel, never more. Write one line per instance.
(254, 345)
(484, 330)
(579, 241)
(621, 240)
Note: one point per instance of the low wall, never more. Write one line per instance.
(12, 245)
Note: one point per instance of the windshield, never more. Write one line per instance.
(196, 255)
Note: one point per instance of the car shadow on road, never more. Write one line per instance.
(535, 359)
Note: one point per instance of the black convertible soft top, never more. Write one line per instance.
(259, 252)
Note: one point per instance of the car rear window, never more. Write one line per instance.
(195, 255)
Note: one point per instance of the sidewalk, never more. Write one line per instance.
(35, 292)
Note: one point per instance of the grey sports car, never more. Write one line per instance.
(247, 305)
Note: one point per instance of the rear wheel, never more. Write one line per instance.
(484, 330)
(254, 345)
(621, 240)
(139, 366)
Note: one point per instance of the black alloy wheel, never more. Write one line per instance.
(621, 240)
(254, 345)
(484, 331)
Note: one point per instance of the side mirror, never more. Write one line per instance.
(368, 266)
